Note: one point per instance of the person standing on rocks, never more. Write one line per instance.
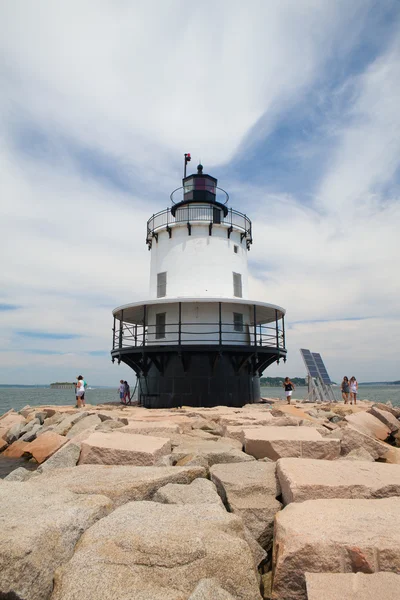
(289, 388)
(353, 390)
(345, 388)
(121, 390)
(127, 397)
(80, 393)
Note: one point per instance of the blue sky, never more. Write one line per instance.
(293, 106)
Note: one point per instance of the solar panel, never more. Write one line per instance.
(321, 368)
(309, 362)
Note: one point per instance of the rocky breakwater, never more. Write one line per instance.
(268, 501)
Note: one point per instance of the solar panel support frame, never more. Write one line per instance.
(318, 390)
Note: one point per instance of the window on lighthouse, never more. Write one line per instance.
(161, 284)
(160, 325)
(237, 322)
(237, 285)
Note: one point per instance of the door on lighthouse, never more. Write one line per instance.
(216, 215)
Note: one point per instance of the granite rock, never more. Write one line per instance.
(352, 586)
(386, 418)
(45, 446)
(116, 448)
(250, 490)
(334, 536)
(20, 474)
(369, 425)
(308, 479)
(120, 484)
(16, 449)
(211, 452)
(352, 439)
(358, 454)
(278, 442)
(209, 589)
(145, 548)
(108, 425)
(35, 541)
(199, 491)
(66, 456)
(89, 422)
(68, 421)
(13, 433)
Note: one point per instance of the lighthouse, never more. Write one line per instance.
(198, 340)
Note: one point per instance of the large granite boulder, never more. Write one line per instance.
(107, 425)
(369, 425)
(360, 454)
(200, 491)
(45, 445)
(308, 479)
(67, 422)
(116, 448)
(211, 452)
(39, 528)
(394, 410)
(13, 433)
(333, 536)
(120, 484)
(66, 456)
(89, 422)
(352, 586)
(19, 474)
(250, 490)
(8, 420)
(147, 550)
(386, 417)
(278, 442)
(16, 449)
(352, 439)
(155, 428)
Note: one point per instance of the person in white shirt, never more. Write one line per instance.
(121, 390)
(80, 392)
(353, 390)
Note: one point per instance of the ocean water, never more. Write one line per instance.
(17, 398)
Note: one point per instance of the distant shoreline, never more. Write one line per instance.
(47, 386)
(111, 387)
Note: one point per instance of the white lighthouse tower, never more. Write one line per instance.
(198, 340)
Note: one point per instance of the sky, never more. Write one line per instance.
(294, 105)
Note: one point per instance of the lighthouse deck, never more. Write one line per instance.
(199, 213)
(178, 322)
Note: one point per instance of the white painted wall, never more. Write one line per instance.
(201, 323)
(198, 265)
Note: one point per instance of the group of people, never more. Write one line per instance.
(124, 392)
(80, 388)
(349, 390)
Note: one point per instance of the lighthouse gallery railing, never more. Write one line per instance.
(196, 213)
(184, 333)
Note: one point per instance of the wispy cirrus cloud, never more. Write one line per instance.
(45, 335)
(6, 307)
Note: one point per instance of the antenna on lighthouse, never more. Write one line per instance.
(188, 158)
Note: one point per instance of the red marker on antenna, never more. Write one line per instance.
(188, 158)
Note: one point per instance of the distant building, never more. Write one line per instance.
(62, 386)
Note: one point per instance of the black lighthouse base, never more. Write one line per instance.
(200, 376)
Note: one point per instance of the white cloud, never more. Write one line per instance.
(134, 85)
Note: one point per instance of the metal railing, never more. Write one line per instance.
(199, 213)
(126, 335)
